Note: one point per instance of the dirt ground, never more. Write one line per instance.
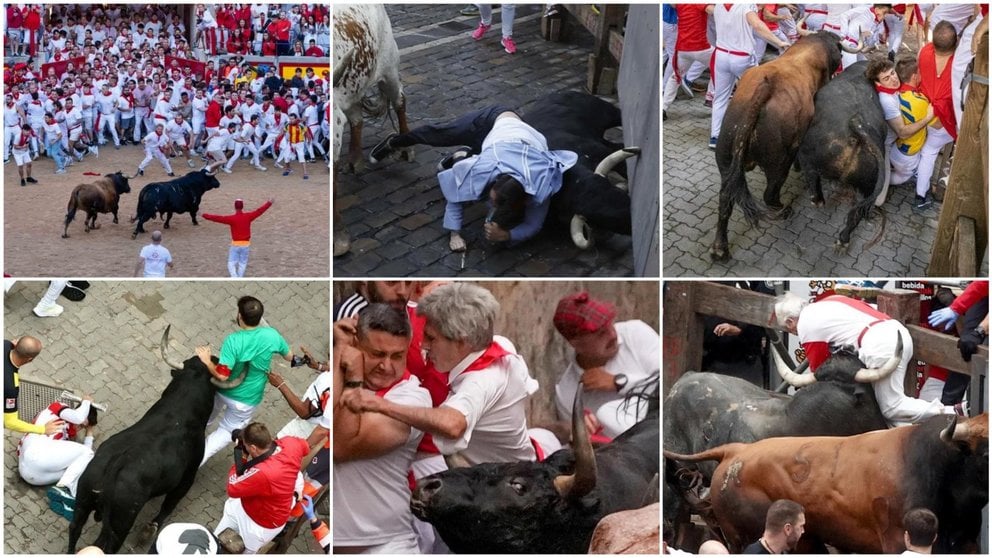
(289, 240)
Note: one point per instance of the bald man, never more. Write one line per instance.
(20, 351)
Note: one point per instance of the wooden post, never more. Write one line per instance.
(968, 185)
(903, 305)
(682, 340)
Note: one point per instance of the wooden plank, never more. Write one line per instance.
(682, 327)
(903, 305)
(616, 44)
(967, 189)
(941, 350)
(964, 247)
(740, 304)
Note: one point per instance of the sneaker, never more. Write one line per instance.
(171, 174)
(286, 172)
(226, 170)
(95, 151)
(141, 172)
(60, 500)
(60, 171)
(712, 144)
(117, 146)
(80, 284)
(279, 165)
(922, 202)
(51, 311)
(480, 31)
(23, 183)
(73, 293)
(306, 177)
(508, 45)
(31, 180)
(470, 10)
(190, 163)
(687, 87)
(381, 150)
(260, 167)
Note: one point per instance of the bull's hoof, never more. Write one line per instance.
(149, 532)
(719, 253)
(115, 220)
(134, 235)
(87, 229)
(166, 226)
(65, 236)
(841, 247)
(817, 202)
(95, 226)
(342, 245)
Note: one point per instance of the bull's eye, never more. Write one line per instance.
(518, 486)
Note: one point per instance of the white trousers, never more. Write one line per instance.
(43, 460)
(684, 61)
(937, 138)
(727, 69)
(235, 415)
(962, 57)
(877, 346)
(254, 535)
(155, 153)
(107, 122)
(240, 148)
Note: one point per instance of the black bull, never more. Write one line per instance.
(547, 507)
(180, 195)
(704, 410)
(771, 114)
(157, 455)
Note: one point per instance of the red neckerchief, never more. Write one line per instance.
(108, 93)
(728, 6)
(489, 356)
(891, 91)
(382, 392)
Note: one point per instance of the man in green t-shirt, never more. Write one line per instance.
(247, 351)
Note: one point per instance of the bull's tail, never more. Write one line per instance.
(718, 453)
(70, 210)
(734, 182)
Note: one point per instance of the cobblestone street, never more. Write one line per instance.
(108, 346)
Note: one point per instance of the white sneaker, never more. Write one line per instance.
(260, 167)
(189, 163)
(52, 311)
(225, 169)
(279, 165)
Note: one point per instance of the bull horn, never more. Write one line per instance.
(456, 461)
(801, 27)
(581, 232)
(615, 158)
(953, 432)
(583, 480)
(794, 378)
(233, 383)
(339, 69)
(211, 169)
(852, 50)
(164, 348)
(868, 375)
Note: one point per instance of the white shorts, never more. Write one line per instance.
(22, 158)
(254, 535)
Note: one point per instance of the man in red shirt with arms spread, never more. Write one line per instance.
(240, 222)
(261, 488)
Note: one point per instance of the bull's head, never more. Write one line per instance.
(797, 379)
(164, 348)
(211, 171)
(120, 182)
(579, 228)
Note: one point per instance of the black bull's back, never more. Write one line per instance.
(505, 508)
(180, 195)
(157, 455)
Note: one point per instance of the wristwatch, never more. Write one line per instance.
(352, 384)
(620, 381)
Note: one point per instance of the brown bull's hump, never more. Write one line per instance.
(357, 35)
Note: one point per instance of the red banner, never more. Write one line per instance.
(173, 62)
(61, 65)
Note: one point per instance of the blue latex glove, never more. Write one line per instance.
(307, 504)
(943, 317)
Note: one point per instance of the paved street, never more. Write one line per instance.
(108, 346)
(799, 246)
(394, 209)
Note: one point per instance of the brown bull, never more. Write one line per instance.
(101, 196)
(856, 489)
(764, 124)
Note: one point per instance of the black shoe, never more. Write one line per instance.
(448, 161)
(23, 183)
(381, 150)
(141, 172)
(172, 174)
(31, 180)
(664, 115)
(922, 202)
(80, 284)
(73, 293)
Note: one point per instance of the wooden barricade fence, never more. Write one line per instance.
(686, 302)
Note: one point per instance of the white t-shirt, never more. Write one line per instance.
(733, 32)
(372, 496)
(316, 391)
(890, 110)
(156, 258)
(514, 129)
(494, 402)
(637, 358)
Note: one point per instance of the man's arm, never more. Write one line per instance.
(762, 30)
(534, 216)
(441, 421)
(139, 265)
(300, 407)
(261, 209)
(904, 130)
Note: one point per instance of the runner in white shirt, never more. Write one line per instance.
(274, 125)
(162, 112)
(52, 139)
(143, 123)
(217, 143)
(74, 129)
(47, 459)
(153, 258)
(181, 137)
(155, 142)
(312, 120)
(23, 142)
(244, 141)
(736, 25)
(199, 116)
(815, 14)
(13, 117)
(106, 104)
(839, 320)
